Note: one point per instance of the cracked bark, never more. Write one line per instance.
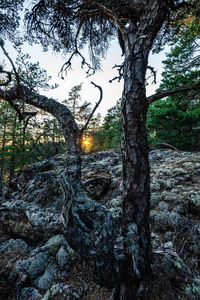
(136, 178)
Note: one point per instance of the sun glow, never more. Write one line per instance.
(86, 143)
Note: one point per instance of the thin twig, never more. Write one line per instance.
(90, 71)
(120, 69)
(153, 73)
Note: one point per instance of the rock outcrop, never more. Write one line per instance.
(37, 262)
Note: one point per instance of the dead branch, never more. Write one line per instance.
(11, 62)
(120, 69)
(67, 66)
(170, 92)
(153, 73)
(15, 106)
(94, 109)
(168, 146)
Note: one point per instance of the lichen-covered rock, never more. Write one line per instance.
(33, 266)
(29, 293)
(14, 245)
(37, 261)
(46, 280)
(63, 258)
(62, 291)
(193, 289)
(115, 206)
(194, 203)
(96, 185)
(54, 243)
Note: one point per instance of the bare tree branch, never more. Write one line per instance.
(11, 62)
(90, 70)
(15, 106)
(153, 72)
(170, 92)
(120, 69)
(168, 146)
(94, 109)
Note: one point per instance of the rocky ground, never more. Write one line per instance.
(38, 263)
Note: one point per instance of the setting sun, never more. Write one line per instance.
(86, 143)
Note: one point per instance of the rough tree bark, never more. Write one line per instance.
(138, 41)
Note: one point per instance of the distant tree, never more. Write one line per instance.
(73, 100)
(82, 111)
(18, 131)
(3, 140)
(110, 134)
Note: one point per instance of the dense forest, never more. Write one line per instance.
(76, 219)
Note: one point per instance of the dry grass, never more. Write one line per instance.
(81, 277)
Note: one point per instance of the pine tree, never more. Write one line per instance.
(176, 119)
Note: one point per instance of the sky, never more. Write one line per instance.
(53, 63)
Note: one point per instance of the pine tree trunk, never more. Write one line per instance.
(138, 41)
(136, 175)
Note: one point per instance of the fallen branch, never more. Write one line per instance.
(168, 146)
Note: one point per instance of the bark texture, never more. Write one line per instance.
(138, 41)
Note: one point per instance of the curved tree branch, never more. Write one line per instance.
(94, 109)
(11, 62)
(153, 73)
(170, 92)
(60, 111)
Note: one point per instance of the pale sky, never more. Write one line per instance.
(111, 91)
